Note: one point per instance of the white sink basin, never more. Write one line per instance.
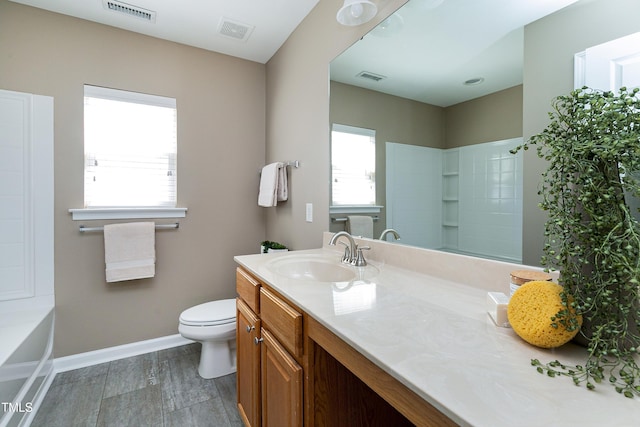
(316, 268)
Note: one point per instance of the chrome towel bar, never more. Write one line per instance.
(176, 225)
(375, 218)
(292, 163)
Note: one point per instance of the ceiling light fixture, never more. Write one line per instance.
(356, 12)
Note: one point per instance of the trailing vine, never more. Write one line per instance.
(592, 147)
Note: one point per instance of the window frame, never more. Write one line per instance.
(126, 212)
(352, 207)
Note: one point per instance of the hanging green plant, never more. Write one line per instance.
(592, 147)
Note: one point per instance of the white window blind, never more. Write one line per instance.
(130, 142)
(353, 166)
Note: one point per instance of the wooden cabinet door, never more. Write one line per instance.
(248, 289)
(282, 321)
(248, 364)
(281, 385)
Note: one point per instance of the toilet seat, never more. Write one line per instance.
(212, 313)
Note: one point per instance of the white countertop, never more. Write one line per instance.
(434, 336)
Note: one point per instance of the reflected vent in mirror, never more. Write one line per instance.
(130, 10)
(370, 76)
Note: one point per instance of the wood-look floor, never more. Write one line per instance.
(159, 389)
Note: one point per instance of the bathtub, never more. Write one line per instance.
(26, 361)
(27, 254)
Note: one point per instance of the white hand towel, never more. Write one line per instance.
(129, 251)
(360, 225)
(271, 187)
(283, 190)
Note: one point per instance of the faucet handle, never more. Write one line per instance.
(358, 259)
(346, 258)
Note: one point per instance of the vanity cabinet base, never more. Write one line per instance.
(342, 399)
(350, 390)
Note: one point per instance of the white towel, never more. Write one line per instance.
(282, 190)
(360, 225)
(273, 185)
(129, 251)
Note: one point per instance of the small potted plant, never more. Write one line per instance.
(268, 247)
(592, 147)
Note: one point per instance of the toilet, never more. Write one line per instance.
(214, 325)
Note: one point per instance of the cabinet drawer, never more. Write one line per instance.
(282, 320)
(248, 289)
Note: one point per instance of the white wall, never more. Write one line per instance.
(490, 209)
(414, 193)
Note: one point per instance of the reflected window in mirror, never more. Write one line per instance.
(353, 166)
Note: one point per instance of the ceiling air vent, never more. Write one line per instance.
(234, 29)
(129, 9)
(370, 76)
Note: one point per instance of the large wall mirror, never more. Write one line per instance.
(440, 82)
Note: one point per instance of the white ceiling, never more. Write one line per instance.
(196, 22)
(431, 47)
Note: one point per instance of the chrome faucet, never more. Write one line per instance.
(350, 250)
(383, 235)
(352, 254)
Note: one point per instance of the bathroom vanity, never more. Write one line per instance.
(405, 340)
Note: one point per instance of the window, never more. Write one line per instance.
(130, 145)
(353, 166)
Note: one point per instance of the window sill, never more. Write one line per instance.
(126, 213)
(357, 209)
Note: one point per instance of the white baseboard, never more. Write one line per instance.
(82, 360)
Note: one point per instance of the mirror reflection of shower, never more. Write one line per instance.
(465, 200)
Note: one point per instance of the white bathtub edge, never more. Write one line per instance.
(37, 400)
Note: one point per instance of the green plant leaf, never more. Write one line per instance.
(592, 150)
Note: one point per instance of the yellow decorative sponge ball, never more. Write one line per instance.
(530, 311)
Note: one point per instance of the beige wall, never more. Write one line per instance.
(395, 119)
(221, 138)
(550, 44)
(489, 118)
(492, 117)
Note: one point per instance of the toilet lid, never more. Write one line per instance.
(210, 313)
